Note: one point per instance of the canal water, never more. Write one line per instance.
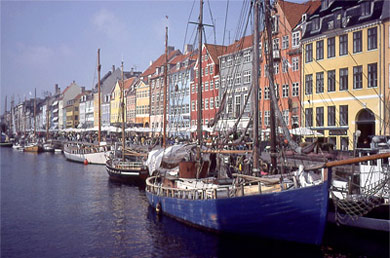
(51, 207)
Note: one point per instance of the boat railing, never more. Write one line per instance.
(245, 187)
(85, 149)
(134, 165)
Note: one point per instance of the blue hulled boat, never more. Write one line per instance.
(297, 215)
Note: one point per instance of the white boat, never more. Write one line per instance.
(57, 151)
(92, 154)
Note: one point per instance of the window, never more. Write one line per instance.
(295, 63)
(316, 24)
(331, 80)
(343, 79)
(276, 68)
(286, 116)
(211, 103)
(343, 45)
(206, 104)
(247, 56)
(266, 92)
(284, 66)
(206, 86)
(285, 90)
(192, 105)
(266, 118)
(247, 76)
(320, 116)
(211, 69)
(320, 82)
(309, 53)
(285, 42)
(211, 85)
(217, 84)
(331, 47)
(309, 117)
(343, 115)
(238, 78)
(230, 105)
(229, 61)
(295, 89)
(365, 8)
(357, 77)
(308, 84)
(275, 24)
(372, 39)
(295, 39)
(357, 41)
(238, 106)
(206, 70)
(320, 50)
(259, 92)
(331, 115)
(216, 102)
(275, 44)
(372, 75)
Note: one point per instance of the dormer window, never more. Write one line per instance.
(304, 17)
(365, 8)
(324, 4)
(316, 24)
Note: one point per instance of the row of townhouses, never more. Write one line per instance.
(331, 66)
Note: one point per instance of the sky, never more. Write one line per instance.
(44, 43)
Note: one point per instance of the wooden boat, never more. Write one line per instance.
(184, 187)
(126, 166)
(90, 154)
(35, 147)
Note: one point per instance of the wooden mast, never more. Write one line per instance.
(35, 110)
(123, 114)
(255, 88)
(270, 64)
(47, 119)
(99, 114)
(199, 97)
(165, 89)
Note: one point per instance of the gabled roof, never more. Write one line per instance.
(294, 11)
(159, 62)
(215, 51)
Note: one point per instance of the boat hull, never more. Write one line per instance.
(34, 148)
(297, 215)
(98, 158)
(5, 144)
(126, 175)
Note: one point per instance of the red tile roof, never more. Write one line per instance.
(159, 62)
(294, 11)
(243, 43)
(215, 51)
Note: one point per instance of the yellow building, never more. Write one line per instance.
(343, 72)
(72, 112)
(142, 104)
(115, 102)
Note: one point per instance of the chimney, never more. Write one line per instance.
(150, 62)
(132, 71)
(56, 89)
(187, 48)
(113, 68)
(170, 49)
(82, 89)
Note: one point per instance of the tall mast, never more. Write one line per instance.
(255, 88)
(199, 97)
(47, 119)
(165, 88)
(123, 114)
(5, 108)
(35, 110)
(99, 114)
(270, 63)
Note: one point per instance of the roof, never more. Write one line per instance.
(159, 62)
(293, 11)
(243, 43)
(215, 51)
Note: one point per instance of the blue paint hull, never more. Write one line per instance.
(297, 215)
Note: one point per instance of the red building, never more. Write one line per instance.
(210, 85)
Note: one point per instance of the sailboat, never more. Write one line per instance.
(89, 153)
(34, 146)
(284, 207)
(128, 165)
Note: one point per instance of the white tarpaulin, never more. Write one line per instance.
(305, 131)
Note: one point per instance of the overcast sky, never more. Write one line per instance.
(49, 42)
